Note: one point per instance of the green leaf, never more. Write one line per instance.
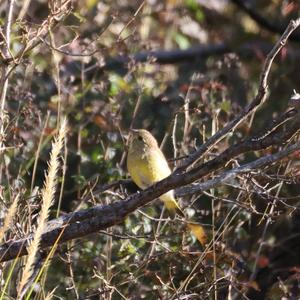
(78, 16)
(182, 41)
(225, 106)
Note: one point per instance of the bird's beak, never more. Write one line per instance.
(133, 130)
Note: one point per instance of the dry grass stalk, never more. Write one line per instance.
(9, 217)
(48, 193)
(50, 295)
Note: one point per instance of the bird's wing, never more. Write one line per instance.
(140, 174)
(158, 165)
(149, 169)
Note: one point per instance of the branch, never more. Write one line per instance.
(53, 19)
(256, 102)
(100, 217)
(4, 71)
(259, 19)
(93, 71)
(244, 169)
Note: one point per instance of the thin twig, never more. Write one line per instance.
(5, 68)
(249, 168)
(256, 102)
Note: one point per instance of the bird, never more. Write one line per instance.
(147, 165)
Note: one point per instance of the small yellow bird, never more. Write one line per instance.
(147, 165)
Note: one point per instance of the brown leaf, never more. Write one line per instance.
(102, 122)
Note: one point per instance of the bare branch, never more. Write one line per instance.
(84, 222)
(256, 102)
(264, 22)
(4, 72)
(244, 169)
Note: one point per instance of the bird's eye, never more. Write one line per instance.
(140, 138)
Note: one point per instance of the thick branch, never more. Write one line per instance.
(244, 169)
(169, 57)
(264, 22)
(82, 223)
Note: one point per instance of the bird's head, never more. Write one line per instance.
(141, 139)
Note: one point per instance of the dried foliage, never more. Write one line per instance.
(216, 84)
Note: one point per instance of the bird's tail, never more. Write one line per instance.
(173, 208)
(198, 231)
(171, 204)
